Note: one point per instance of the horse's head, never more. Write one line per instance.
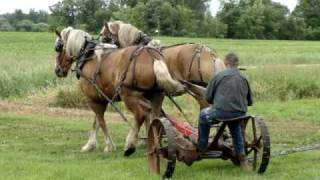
(109, 32)
(68, 47)
(63, 61)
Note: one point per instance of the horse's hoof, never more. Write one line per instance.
(88, 148)
(109, 149)
(129, 151)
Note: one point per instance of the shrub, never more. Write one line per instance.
(24, 25)
(70, 97)
(40, 27)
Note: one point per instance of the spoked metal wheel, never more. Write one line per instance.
(161, 148)
(257, 141)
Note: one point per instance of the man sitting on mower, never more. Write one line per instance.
(229, 92)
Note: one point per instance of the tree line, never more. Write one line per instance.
(19, 21)
(237, 19)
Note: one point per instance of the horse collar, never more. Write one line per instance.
(86, 52)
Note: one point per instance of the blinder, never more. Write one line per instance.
(59, 46)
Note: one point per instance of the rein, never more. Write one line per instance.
(174, 45)
(85, 55)
(95, 85)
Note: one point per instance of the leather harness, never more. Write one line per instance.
(197, 55)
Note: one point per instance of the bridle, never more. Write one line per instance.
(59, 48)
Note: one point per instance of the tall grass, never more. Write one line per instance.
(27, 62)
(260, 52)
(285, 82)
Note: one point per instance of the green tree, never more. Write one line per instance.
(293, 28)
(5, 25)
(212, 27)
(250, 24)
(38, 16)
(310, 11)
(88, 11)
(229, 15)
(63, 13)
(133, 15)
(275, 15)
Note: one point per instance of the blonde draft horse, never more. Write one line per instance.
(143, 97)
(189, 62)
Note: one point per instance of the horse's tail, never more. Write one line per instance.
(164, 78)
(218, 66)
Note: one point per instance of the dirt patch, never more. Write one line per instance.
(24, 109)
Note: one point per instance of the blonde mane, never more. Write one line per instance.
(73, 40)
(127, 33)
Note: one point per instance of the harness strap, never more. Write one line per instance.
(142, 39)
(174, 45)
(101, 93)
(197, 52)
(98, 69)
(86, 52)
(133, 55)
(199, 63)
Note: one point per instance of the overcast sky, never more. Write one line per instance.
(26, 5)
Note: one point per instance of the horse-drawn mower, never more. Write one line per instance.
(170, 140)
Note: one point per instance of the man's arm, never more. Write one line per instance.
(249, 95)
(210, 91)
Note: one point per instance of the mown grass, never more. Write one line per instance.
(41, 147)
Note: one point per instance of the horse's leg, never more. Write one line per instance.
(156, 104)
(92, 142)
(202, 103)
(99, 109)
(140, 107)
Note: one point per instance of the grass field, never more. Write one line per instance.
(48, 147)
(42, 147)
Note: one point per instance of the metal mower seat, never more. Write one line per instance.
(246, 117)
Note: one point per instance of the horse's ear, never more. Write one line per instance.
(58, 33)
(114, 28)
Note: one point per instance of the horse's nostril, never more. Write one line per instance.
(56, 71)
(60, 73)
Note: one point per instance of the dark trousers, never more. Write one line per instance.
(207, 118)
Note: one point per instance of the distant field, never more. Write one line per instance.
(47, 147)
(27, 62)
(261, 52)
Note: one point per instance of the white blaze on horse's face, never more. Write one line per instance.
(102, 30)
(103, 34)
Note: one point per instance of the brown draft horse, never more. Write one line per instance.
(146, 78)
(194, 63)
